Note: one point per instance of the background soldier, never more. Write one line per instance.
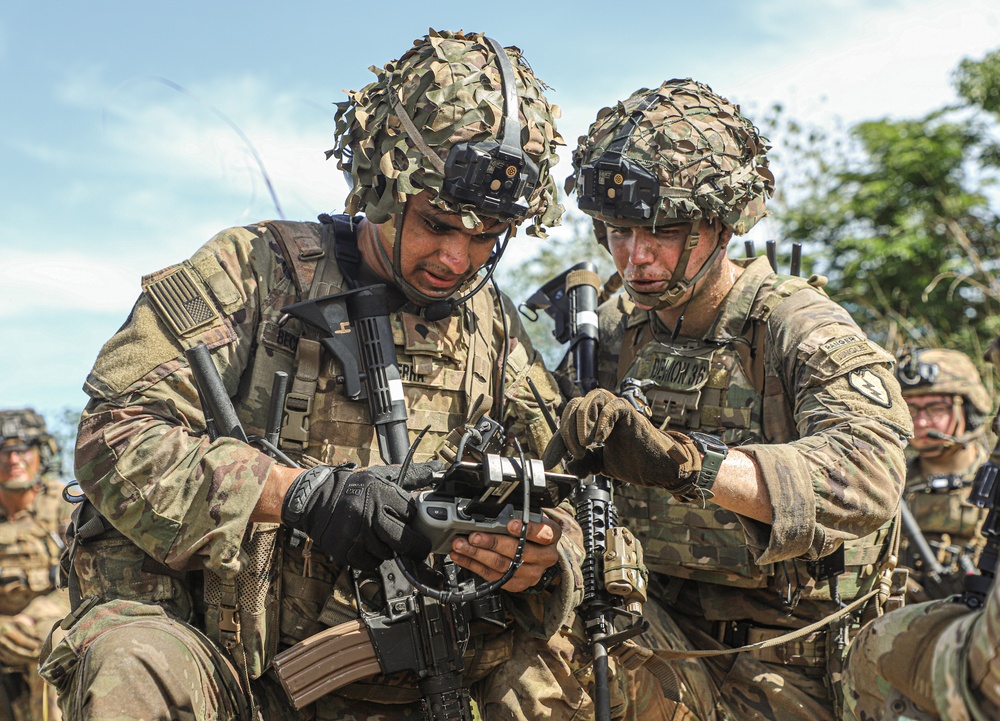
(180, 507)
(784, 514)
(949, 405)
(33, 519)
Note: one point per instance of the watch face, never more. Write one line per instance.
(708, 442)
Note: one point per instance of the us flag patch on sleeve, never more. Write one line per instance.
(866, 382)
(181, 302)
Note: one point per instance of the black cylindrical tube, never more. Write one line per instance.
(796, 266)
(581, 287)
(368, 311)
(276, 411)
(213, 393)
(772, 254)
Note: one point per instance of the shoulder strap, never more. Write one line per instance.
(345, 244)
(752, 354)
(301, 246)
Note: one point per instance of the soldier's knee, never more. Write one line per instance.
(140, 650)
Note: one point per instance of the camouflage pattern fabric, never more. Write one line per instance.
(440, 85)
(30, 603)
(185, 503)
(949, 523)
(935, 661)
(789, 378)
(709, 159)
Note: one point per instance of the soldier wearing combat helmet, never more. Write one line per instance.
(33, 519)
(764, 483)
(448, 151)
(948, 405)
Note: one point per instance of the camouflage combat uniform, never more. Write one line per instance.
(30, 603)
(788, 377)
(183, 503)
(927, 662)
(949, 523)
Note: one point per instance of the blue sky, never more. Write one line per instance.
(107, 172)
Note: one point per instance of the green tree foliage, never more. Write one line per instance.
(573, 243)
(901, 217)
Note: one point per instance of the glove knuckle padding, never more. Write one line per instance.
(356, 517)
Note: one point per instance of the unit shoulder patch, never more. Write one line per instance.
(866, 382)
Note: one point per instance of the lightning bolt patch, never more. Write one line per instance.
(868, 384)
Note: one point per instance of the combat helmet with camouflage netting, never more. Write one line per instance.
(941, 371)
(677, 154)
(20, 430)
(460, 117)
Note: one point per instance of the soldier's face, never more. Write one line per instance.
(646, 259)
(438, 253)
(934, 412)
(19, 465)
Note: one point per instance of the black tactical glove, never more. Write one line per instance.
(358, 517)
(606, 434)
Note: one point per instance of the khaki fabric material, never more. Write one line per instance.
(30, 603)
(949, 523)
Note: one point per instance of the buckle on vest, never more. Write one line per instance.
(298, 406)
(229, 626)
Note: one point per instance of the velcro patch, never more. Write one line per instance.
(841, 350)
(181, 301)
(867, 383)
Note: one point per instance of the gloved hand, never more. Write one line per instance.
(358, 517)
(606, 434)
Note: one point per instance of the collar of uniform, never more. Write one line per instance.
(735, 310)
(738, 303)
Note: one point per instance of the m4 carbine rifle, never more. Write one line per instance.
(408, 621)
(614, 576)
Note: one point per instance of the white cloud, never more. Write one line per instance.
(35, 282)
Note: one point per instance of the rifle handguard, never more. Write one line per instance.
(325, 662)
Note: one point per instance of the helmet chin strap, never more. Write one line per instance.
(434, 308)
(678, 284)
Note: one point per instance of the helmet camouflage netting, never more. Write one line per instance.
(450, 86)
(709, 160)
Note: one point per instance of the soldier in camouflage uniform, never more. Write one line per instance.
(33, 520)
(155, 632)
(949, 405)
(765, 484)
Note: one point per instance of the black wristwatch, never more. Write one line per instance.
(714, 452)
